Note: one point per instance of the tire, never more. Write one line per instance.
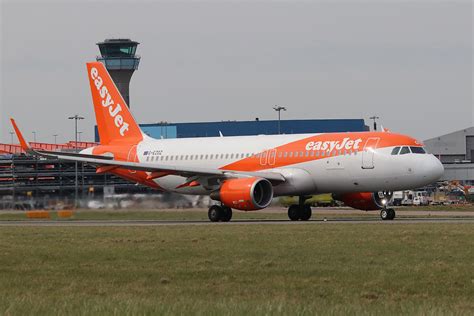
(384, 214)
(305, 213)
(226, 214)
(215, 213)
(391, 213)
(294, 212)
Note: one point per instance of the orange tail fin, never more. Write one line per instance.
(114, 120)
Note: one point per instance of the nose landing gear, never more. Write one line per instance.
(300, 211)
(387, 214)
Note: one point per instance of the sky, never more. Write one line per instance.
(408, 62)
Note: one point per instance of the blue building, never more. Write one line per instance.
(257, 127)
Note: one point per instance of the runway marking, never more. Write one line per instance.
(112, 223)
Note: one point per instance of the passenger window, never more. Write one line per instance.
(291, 154)
(395, 151)
(405, 150)
(417, 150)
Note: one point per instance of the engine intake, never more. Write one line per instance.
(365, 200)
(248, 194)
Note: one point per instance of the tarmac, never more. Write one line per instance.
(141, 223)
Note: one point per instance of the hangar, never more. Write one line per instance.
(456, 152)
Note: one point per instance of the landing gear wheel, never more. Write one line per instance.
(391, 213)
(215, 213)
(305, 212)
(226, 214)
(294, 212)
(385, 214)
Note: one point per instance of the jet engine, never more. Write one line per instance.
(248, 194)
(365, 200)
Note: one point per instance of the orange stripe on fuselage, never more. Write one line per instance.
(336, 141)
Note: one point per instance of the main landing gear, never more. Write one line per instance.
(387, 214)
(300, 211)
(218, 213)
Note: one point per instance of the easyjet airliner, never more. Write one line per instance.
(247, 172)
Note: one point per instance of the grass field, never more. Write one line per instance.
(238, 269)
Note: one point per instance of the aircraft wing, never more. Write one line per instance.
(159, 170)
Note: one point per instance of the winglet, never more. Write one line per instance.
(24, 144)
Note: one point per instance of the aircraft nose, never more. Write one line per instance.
(432, 168)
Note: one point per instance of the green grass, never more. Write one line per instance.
(238, 269)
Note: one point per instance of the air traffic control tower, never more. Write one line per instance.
(118, 56)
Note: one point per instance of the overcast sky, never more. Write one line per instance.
(408, 62)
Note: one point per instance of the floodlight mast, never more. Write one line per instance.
(279, 109)
(76, 188)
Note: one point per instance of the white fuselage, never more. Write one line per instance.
(360, 168)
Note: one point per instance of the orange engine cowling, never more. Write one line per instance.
(248, 194)
(365, 200)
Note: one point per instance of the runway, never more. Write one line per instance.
(141, 223)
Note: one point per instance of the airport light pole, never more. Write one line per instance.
(55, 138)
(34, 136)
(279, 109)
(375, 118)
(76, 188)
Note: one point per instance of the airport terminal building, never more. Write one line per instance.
(256, 127)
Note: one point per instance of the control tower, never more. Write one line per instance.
(118, 56)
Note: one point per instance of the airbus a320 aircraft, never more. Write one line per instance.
(247, 172)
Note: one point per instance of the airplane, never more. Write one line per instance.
(362, 169)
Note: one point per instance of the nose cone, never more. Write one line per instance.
(431, 169)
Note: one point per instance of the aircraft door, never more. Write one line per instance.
(264, 158)
(369, 152)
(271, 157)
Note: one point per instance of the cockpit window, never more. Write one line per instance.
(418, 150)
(405, 150)
(395, 151)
